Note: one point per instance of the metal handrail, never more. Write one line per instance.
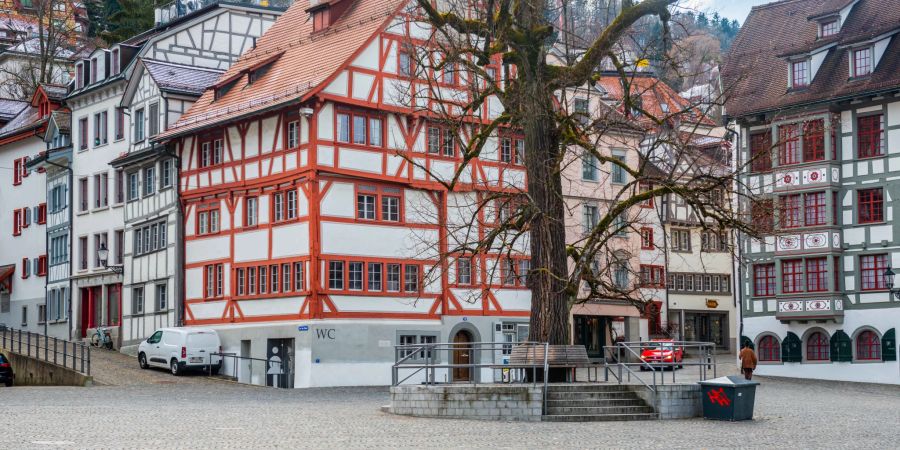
(624, 350)
(80, 356)
(405, 357)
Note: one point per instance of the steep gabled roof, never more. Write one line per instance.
(180, 78)
(653, 94)
(755, 73)
(10, 108)
(305, 61)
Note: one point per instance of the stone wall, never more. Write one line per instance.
(33, 372)
(674, 401)
(467, 401)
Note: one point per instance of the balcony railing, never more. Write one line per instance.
(180, 8)
(814, 308)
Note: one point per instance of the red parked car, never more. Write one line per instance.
(662, 352)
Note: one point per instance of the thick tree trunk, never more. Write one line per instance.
(534, 111)
(549, 298)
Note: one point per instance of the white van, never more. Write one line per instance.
(181, 349)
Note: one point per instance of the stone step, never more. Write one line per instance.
(598, 417)
(597, 402)
(590, 395)
(597, 410)
(579, 387)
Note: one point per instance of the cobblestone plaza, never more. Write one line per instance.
(196, 412)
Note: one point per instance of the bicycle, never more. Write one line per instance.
(102, 338)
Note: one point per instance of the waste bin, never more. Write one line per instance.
(728, 398)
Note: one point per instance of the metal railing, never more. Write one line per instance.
(68, 354)
(620, 359)
(431, 357)
(242, 369)
(180, 8)
(427, 358)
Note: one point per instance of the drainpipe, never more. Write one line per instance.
(71, 252)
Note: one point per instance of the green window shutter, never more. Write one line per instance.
(841, 347)
(746, 340)
(791, 348)
(889, 346)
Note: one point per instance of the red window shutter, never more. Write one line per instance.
(25, 266)
(42, 214)
(17, 172)
(42, 266)
(17, 222)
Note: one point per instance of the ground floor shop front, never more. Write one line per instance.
(348, 352)
(700, 318)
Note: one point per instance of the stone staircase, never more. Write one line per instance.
(595, 403)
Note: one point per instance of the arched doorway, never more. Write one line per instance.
(462, 354)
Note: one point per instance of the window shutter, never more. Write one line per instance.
(841, 347)
(26, 217)
(36, 265)
(889, 346)
(791, 349)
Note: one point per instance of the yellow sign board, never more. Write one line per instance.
(712, 303)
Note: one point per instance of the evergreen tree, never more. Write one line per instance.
(128, 18)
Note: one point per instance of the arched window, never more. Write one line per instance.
(817, 347)
(868, 346)
(769, 349)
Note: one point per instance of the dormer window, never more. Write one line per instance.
(830, 28)
(79, 79)
(320, 19)
(93, 70)
(800, 74)
(862, 62)
(115, 62)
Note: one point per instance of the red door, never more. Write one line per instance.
(85, 310)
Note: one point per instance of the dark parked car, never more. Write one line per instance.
(6, 372)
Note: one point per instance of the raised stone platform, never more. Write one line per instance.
(469, 401)
(571, 402)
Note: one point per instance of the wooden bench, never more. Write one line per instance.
(569, 357)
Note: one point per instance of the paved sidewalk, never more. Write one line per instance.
(112, 368)
(789, 414)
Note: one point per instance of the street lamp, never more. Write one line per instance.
(103, 256)
(889, 283)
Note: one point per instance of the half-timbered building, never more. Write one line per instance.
(162, 83)
(108, 123)
(813, 95)
(314, 222)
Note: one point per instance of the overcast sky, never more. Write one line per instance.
(732, 9)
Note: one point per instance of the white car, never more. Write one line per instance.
(181, 349)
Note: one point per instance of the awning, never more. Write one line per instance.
(603, 309)
(6, 273)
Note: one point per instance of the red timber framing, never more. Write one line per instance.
(286, 158)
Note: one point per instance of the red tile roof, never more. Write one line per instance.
(755, 73)
(306, 62)
(653, 92)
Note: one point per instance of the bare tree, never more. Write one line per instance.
(47, 35)
(507, 53)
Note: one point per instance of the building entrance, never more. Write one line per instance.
(591, 332)
(707, 327)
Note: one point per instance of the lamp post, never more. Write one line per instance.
(103, 256)
(889, 283)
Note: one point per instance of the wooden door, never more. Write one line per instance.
(462, 354)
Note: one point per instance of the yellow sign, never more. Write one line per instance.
(712, 303)
(643, 62)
